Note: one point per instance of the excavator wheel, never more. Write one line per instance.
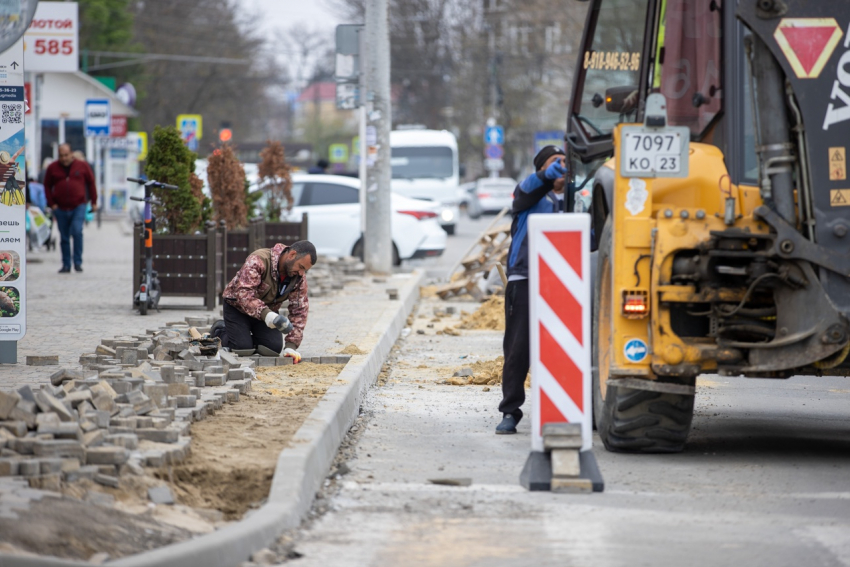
(627, 419)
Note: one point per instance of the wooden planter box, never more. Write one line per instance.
(188, 265)
(259, 234)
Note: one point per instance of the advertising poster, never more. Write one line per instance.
(13, 237)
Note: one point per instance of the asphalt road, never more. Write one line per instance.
(764, 480)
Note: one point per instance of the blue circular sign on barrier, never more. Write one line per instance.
(635, 350)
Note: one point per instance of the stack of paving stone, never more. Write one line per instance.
(129, 405)
(331, 274)
(563, 441)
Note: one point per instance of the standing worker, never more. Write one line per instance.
(540, 192)
(69, 185)
(253, 297)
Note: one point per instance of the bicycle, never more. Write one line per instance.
(149, 289)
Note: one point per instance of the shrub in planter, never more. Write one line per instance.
(170, 161)
(226, 177)
(275, 179)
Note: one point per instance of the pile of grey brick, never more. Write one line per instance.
(88, 422)
(331, 274)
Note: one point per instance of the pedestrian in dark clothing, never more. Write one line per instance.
(253, 297)
(69, 184)
(321, 167)
(540, 192)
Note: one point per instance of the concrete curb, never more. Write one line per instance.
(301, 468)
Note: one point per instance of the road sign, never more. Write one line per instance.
(338, 153)
(493, 151)
(347, 96)
(191, 129)
(51, 44)
(635, 350)
(139, 142)
(494, 135)
(548, 138)
(118, 128)
(559, 291)
(494, 164)
(98, 117)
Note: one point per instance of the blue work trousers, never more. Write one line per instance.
(70, 224)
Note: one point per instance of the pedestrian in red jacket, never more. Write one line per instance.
(69, 186)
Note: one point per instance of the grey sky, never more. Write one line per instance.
(281, 14)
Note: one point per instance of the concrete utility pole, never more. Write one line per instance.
(377, 249)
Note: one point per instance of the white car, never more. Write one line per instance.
(495, 194)
(332, 203)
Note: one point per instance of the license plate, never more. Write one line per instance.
(654, 152)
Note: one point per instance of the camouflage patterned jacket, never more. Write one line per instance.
(254, 291)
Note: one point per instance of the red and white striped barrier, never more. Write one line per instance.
(559, 289)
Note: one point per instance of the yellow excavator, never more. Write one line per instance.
(712, 136)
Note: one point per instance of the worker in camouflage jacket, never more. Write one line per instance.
(253, 297)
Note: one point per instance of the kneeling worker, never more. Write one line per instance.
(253, 297)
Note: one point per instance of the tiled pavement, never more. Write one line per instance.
(68, 314)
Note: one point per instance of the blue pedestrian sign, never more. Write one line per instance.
(493, 151)
(494, 135)
(548, 138)
(98, 117)
(635, 350)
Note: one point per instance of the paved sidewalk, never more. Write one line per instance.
(68, 314)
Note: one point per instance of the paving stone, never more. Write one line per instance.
(236, 374)
(16, 428)
(327, 360)
(62, 430)
(8, 467)
(185, 401)
(105, 403)
(86, 472)
(99, 498)
(94, 438)
(22, 446)
(65, 375)
(76, 398)
(105, 350)
(59, 448)
(283, 361)
(177, 389)
(565, 463)
(48, 402)
(106, 480)
(215, 379)
(267, 361)
(158, 435)
(160, 495)
(31, 467)
(232, 395)
(107, 455)
(20, 414)
(158, 393)
(127, 440)
(43, 360)
(563, 429)
(51, 482)
(50, 466)
(8, 401)
(69, 465)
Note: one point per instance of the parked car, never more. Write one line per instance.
(469, 200)
(332, 203)
(495, 193)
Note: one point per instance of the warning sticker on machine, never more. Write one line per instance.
(837, 164)
(839, 198)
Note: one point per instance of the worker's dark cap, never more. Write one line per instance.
(545, 154)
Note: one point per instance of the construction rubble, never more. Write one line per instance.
(130, 405)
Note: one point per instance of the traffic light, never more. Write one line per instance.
(225, 135)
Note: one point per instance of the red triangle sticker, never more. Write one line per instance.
(808, 43)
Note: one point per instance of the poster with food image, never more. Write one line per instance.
(13, 237)
(10, 266)
(10, 301)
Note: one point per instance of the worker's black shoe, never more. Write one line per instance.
(78, 268)
(217, 328)
(508, 425)
(65, 270)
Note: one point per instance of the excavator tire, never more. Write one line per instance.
(630, 420)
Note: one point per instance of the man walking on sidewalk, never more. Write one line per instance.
(253, 297)
(69, 186)
(540, 192)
